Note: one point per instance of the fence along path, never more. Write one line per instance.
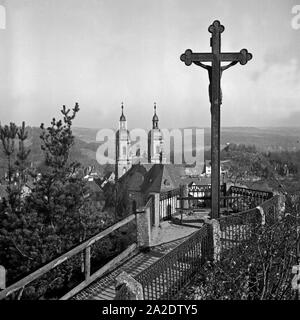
(104, 288)
(165, 278)
(166, 269)
(239, 228)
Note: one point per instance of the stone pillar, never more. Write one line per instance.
(143, 228)
(127, 288)
(262, 213)
(281, 204)
(2, 278)
(185, 193)
(214, 233)
(155, 197)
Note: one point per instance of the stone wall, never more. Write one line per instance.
(127, 288)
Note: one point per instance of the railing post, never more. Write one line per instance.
(296, 281)
(281, 204)
(225, 194)
(155, 197)
(185, 194)
(263, 215)
(143, 227)
(2, 278)
(87, 263)
(214, 239)
(127, 288)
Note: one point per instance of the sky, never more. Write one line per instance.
(100, 53)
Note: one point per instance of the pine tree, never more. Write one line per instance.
(59, 192)
(13, 220)
(57, 215)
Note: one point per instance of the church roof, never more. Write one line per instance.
(152, 180)
(134, 177)
(157, 178)
(163, 177)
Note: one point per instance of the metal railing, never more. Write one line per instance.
(168, 203)
(169, 194)
(166, 277)
(242, 199)
(200, 195)
(236, 199)
(238, 228)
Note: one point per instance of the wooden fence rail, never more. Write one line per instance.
(85, 246)
(107, 267)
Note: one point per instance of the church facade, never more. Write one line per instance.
(125, 155)
(141, 177)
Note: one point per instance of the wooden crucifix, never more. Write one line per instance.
(215, 95)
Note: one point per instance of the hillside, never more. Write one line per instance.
(265, 139)
(82, 151)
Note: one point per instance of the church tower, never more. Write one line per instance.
(155, 142)
(123, 156)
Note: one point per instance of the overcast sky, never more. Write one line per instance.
(103, 52)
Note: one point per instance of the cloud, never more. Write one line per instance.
(100, 53)
(267, 97)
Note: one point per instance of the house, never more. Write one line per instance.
(207, 168)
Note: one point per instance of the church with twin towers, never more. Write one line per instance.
(126, 155)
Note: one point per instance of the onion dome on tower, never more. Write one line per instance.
(155, 118)
(155, 142)
(123, 153)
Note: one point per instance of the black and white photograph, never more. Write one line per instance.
(149, 151)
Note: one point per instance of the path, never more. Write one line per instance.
(104, 288)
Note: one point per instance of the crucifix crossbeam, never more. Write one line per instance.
(215, 95)
(189, 57)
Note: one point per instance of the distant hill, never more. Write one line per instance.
(82, 151)
(264, 138)
(85, 134)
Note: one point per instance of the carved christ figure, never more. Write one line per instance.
(209, 70)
